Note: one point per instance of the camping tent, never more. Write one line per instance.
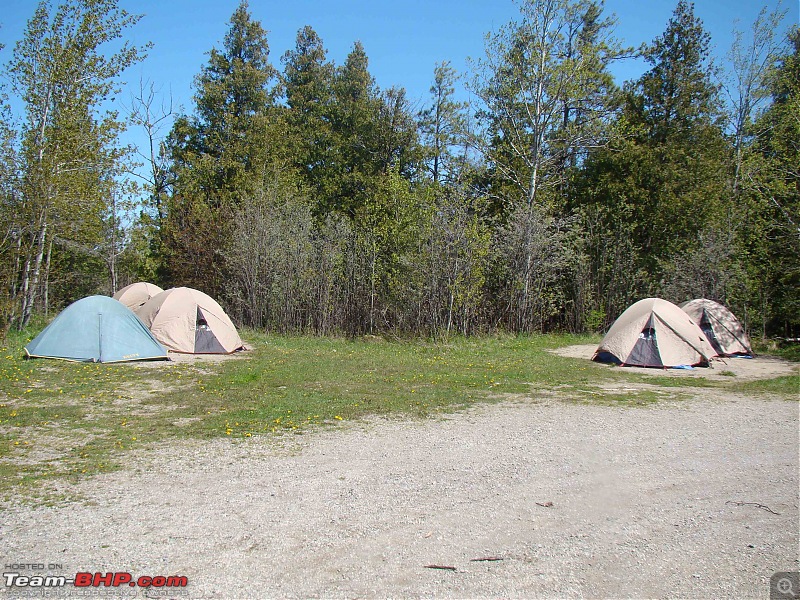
(189, 321)
(96, 329)
(136, 294)
(723, 330)
(654, 333)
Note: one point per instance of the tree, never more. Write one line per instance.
(452, 264)
(752, 66)
(771, 181)
(219, 154)
(353, 165)
(547, 97)
(233, 96)
(442, 125)
(678, 108)
(270, 258)
(347, 134)
(386, 229)
(308, 88)
(10, 225)
(535, 256)
(154, 115)
(397, 148)
(679, 100)
(153, 119)
(68, 149)
(546, 94)
(659, 192)
(746, 278)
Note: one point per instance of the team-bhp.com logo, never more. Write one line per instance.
(87, 580)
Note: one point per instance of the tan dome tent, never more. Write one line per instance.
(720, 326)
(655, 333)
(186, 320)
(136, 294)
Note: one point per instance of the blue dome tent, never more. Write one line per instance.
(96, 329)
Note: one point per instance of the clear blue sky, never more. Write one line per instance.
(403, 40)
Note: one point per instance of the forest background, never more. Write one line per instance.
(305, 198)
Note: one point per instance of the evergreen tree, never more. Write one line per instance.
(398, 148)
(677, 106)
(443, 126)
(354, 167)
(308, 88)
(219, 153)
(679, 99)
(224, 140)
(660, 190)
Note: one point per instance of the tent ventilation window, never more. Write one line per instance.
(648, 334)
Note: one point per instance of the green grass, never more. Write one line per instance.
(65, 421)
(292, 382)
(786, 385)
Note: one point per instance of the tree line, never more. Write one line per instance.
(307, 199)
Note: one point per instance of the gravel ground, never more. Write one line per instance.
(644, 504)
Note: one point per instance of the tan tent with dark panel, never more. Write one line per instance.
(136, 294)
(720, 326)
(189, 321)
(655, 333)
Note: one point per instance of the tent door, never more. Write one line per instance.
(711, 336)
(205, 342)
(645, 350)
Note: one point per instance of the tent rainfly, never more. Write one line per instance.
(654, 333)
(96, 329)
(136, 294)
(191, 322)
(720, 326)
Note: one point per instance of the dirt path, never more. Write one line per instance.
(643, 504)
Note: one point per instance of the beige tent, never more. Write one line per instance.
(723, 330)
(655, 333)
(186, 320)
(136, 294)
